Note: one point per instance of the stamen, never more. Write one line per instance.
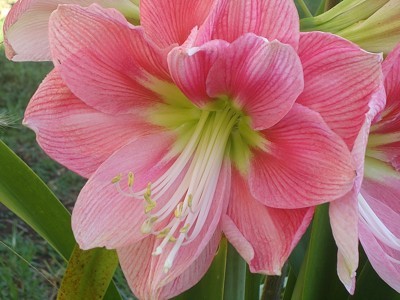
(131, 179)
(185, 228)
(178, 210)
(190, 200)
(147, 225)
(116, 179)
(163, 233)
(149, 207)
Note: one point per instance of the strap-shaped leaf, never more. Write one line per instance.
(318, 277)
(88, 274)
(25, 194)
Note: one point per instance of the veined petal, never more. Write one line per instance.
(104, 215)
(304, 163)
(262, 78)
(275, 19)
(390, 117)
(138, 265)
(263, 236)
(384, 260)
(104, 60)
(68, 130)
(189, 68)
(343, 215)
(26, 25)
(379, 224)
(340, 80)
(170, 22)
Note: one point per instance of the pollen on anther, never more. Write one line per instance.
(131, 179)
(190, 200)
(185, 228)
(178, 210)
(116, 179)
(148, 208)
(163, 233)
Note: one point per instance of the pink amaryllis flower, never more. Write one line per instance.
(211, 117)
(26, 26)
(379, 198)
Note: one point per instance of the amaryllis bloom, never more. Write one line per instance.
(26, 26)
(210, 117)
(379, 200)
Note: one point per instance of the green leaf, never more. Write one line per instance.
(88, 274)
(318, 276)
(235, 275)
(25, 194)
(253, 283)
(370, 286)
(308, 8)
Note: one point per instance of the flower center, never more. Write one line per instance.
(205, 137)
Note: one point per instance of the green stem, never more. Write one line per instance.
(273, 286)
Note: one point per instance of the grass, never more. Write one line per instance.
(39, 273)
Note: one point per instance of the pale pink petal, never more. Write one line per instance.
(384, 260)
(391, 115)
(381, 191)
(304, 163)
(104, 60)
(380, 220)
(343, 215)
(103, 216)
(263, 236)
(275, 19)
(385, 132)
(170, 22)
(138, 266)
(189, 68)
(26, 26)
(262, 78)
(340, 80)
(74, 134)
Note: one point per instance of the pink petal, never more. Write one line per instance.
(26, 26)
(68, 130)
(384, 260)
(343, 215)
(380, 220)
(391, 71)
(304, 163)
(340, 80)
(275, 19)
(263, 79)
(189, 68)
(170, 22)
(263, 236)
(113, 78)
(102, 216)
(138, 266)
